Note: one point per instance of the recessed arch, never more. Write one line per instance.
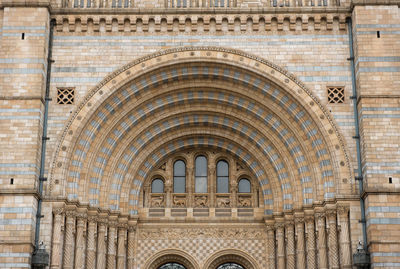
(294, 137)
(171, 255)
(231, 255)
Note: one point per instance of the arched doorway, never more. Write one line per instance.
(243, 113)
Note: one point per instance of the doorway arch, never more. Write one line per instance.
(232, 256)
(171, 256)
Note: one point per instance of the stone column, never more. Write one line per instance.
(345, 248)
(80, 242)
(300, 250)
(280, 237)
(290, 254)
(101, 246)
(271, 246)
(212, 184)
(111, 245)
(310, 235)
(131, 246)
(332, 241)
(69, 240)
(56, 248)
(91, 243)
(322, 258)
(121, 247)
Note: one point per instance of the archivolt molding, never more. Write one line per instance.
(144, 65)
(171, 255)
(231, 255)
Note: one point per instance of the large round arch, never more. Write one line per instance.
(186, 97)
(230, 256)
(171, 256)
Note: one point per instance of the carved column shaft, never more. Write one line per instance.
(80, 244)
(91, 244)
(121, 248)
(101, 246)
(111, 247)
(69, 241)
(131, 247)
(271, 247)
(322, 258)
(300, 250)
(311, 259)
(345, 248)
(333, 243)
(56, 248)
(290, 254)
(281, 245)
(212, 185)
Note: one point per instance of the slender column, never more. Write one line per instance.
(345, 249)
(310, 234)
(271, 246)
(332, 241)
(80, 242)
(131, 246)
(212, 184)
(56, 249)
(300, 250)
(322, 258)
(121, 247)
(69, 240)
(280, 237)
(111, 245)
(290, 254)
(101, 246)
(91, 243)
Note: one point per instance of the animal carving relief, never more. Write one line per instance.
(157, 201)
(179, 201)
(223, 202)
(244, 202)
(201, 201)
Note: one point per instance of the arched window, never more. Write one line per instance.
(244, 185)
(230, 265)
(157, 186)
(201, 174)
(222, 177)
(172, 265)
(179, 177)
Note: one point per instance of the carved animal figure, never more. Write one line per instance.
(179, 201)
(223, 202)
(157, 201)
(244, 202)
(201, 201)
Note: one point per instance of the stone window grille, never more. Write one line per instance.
(335, 95)
(65, 96)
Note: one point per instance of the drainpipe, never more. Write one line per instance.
(361, 257)
(40, 258)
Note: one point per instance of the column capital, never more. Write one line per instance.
(58, 211)
(343, 210)
(70, 213)
(320, 215)
(309, 218)
(81, 216)
(331, 214)
(299, 220)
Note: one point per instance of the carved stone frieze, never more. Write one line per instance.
(179, 201)
(244, 202)
(201, 201)
(223, 202)
(157, 201)
(189, 233)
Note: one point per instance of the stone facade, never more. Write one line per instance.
(266, 86)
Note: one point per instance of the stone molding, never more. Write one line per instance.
(145, 23)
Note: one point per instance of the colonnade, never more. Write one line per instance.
(311, 239)
(85, 240)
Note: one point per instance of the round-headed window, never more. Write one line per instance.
(157, 186)
(244, 185)
(172, 265)
(230, 265)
